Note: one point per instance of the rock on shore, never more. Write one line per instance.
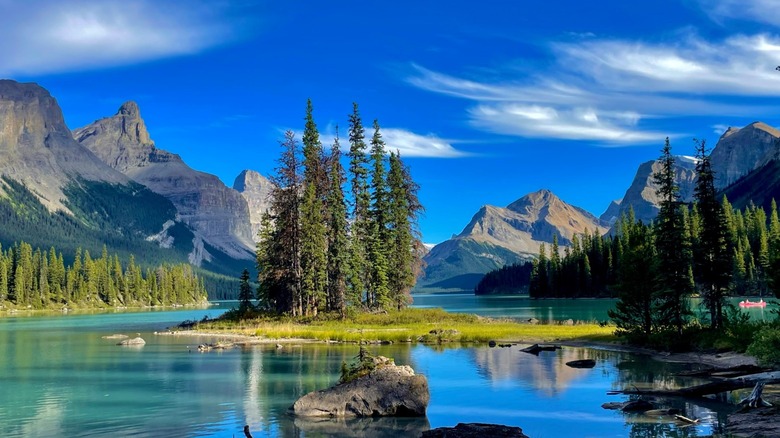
(389, 390)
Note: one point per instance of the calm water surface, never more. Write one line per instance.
(59, 378)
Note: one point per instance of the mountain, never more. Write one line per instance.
(37, 148)
(256, 190)
(55, 192)
(218, 215)
(496, 236)
(739, 151)
(641, 194)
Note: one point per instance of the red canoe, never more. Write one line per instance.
(748, 303)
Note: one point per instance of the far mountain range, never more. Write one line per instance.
(109, 183)
(746, 162)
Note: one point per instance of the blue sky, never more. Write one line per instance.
(486, 101)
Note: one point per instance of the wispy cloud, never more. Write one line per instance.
(49, 36)
(762, 11)
(617, 92)
(407, 143)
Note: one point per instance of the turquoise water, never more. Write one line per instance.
(59, 378)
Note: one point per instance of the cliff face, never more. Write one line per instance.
(739, 151)
(37, 147)
(218, 214)
(496, 236)
(641, 194)
(256, 190)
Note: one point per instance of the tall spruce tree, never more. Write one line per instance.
(378, 292)
(313, 241)
(361, 204)
(280, 261)
(338, 235)
(401, 240)
(712, 254)
(675, 283)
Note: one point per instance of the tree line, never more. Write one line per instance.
(40, 279)
(706, 248)
(339, 238)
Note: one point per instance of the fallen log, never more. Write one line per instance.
(536, 348)
(736, 371)
(725, 385)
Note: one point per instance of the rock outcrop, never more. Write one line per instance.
(256, 189)
(387, 391)
(37, 147)
(641, 194)
(497, 236)
(475, 430)
(740, 151)
(219, 215)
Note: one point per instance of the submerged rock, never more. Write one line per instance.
(115, 336)
(582, 363)
(134, 341)
(475, 430)
(389, 390)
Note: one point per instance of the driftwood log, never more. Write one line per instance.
(724, 385)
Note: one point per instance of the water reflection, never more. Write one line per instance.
(63, 380)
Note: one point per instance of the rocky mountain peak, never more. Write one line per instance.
(130, 109)
(739, 151)
(256, 189)
(37, 147)
(218, 215)
(122, 140)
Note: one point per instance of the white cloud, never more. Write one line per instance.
(762, 11)
(610, 91)
(407, 143)
(49, 36)
(572, 124)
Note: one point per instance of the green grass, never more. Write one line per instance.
(409, 325)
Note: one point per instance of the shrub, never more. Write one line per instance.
(766, 346)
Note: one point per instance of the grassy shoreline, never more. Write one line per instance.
(408, 325)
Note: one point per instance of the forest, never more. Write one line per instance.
(706, 249)
(330, 248)
(39, 279)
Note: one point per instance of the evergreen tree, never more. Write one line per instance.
(358, 171)
(634, 313)
(281, 261)
(674, 283)
(378, 292)
(313, 239)
(713, 261)
(245, 294)
(338, 236)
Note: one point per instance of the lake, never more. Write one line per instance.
(59, 378)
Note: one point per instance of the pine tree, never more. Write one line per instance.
(358, 171)
(313, 240)
(338, 236)
(378, 238)
(713, 261)
(245, 294)
(674, 283)
(283, 264)
(401, 239)
(634, 313)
